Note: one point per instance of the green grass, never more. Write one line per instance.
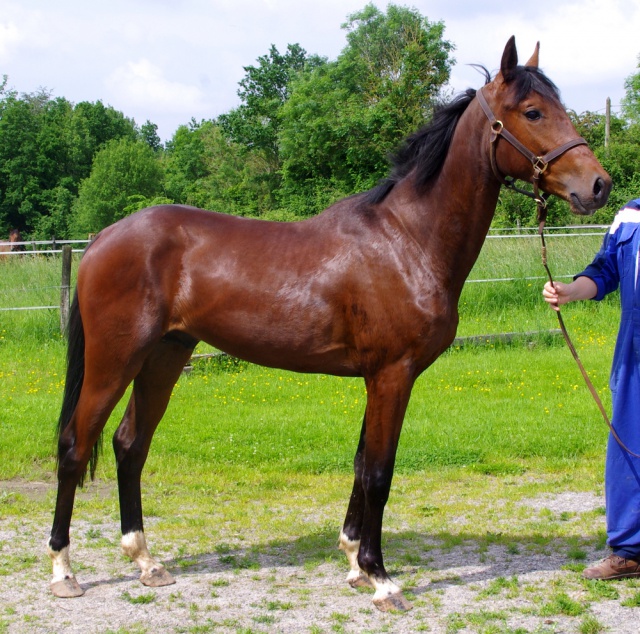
(480, 414)
(516, 306)
(26, 282)
(253, 466)
(489, 408)
(141, 599)
(492, 408)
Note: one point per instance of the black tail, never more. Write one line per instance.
(74, 380)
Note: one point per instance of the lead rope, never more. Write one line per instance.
(542, 209)
(540, 164)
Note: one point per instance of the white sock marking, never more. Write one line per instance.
(61, 564)
(134, 546)
(351, 548)
(384, 588)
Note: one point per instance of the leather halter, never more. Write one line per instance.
(539, 163)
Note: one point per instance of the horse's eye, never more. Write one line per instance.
(533, 115)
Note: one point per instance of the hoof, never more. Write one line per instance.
(361, 581)
(156, 578)
(67, 588)
(393, 602)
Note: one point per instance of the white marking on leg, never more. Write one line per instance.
(356, 576)
(61, 564)
(134, 546)
(388, 595)
(350, 548)
(153, 574)
(384, 588)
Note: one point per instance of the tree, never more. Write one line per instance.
(123, 169)
(17, 153)
(621, 160)
(185, 165)
(591, 126)
(149, 134)
(46, 148)
(92, 125)
(631, 100)
(398, 55)
(343, 118)
(206, 169)
(265, 88)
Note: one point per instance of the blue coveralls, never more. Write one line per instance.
(616, 264)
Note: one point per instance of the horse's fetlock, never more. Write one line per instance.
(370, 563)
(56, 544)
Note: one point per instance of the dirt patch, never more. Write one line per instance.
(466, 585)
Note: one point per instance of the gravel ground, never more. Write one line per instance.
(465, 588)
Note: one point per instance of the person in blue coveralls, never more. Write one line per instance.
(616, 265)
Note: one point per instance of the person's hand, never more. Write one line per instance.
(556, 294)
(559, 293)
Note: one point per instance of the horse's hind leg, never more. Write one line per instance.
(151, 392)
(352, 527)
(75, 446)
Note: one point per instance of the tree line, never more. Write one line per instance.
(307, 132)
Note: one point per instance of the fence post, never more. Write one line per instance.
(65, 288)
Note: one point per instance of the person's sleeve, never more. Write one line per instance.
(604, 268)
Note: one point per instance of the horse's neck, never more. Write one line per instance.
(455, 213)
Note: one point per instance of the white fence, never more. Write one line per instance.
(53, 247)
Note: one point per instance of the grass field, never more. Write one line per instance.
(246, 453)
(475, 406)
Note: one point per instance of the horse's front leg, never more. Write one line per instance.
(387, 397)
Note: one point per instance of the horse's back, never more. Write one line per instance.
(260, 290)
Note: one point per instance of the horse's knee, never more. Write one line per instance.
(71, 462)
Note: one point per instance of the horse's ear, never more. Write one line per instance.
(509, 58)
(533, 61)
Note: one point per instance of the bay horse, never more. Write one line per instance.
(367, 288)
(15, 237)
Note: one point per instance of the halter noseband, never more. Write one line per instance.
(539, 163)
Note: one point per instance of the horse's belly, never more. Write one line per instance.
(296, 339)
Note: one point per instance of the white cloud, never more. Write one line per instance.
(143, 84)
(9, 36)
(588, 47)
(170, 60)
(592, 38)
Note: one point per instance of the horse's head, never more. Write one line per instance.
(534, 139)
(15, 237)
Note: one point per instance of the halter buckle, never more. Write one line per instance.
(540, 165)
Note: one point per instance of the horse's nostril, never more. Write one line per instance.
(598, 188)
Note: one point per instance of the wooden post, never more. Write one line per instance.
(65, 288)
(607, 123)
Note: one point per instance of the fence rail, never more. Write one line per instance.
(66, 248)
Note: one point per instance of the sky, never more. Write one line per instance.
(168, 61)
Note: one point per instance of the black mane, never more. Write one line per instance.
(426, 149)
